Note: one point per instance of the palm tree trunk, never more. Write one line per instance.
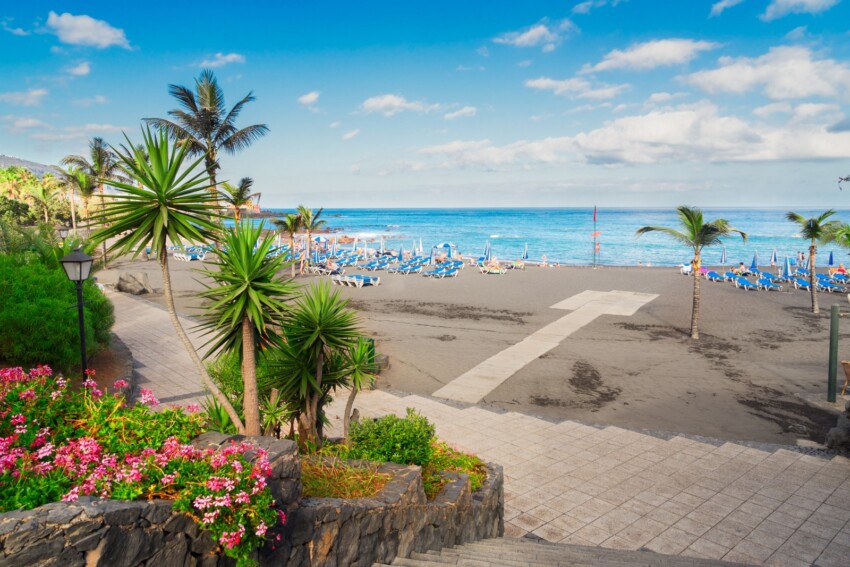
(695, 310)
(292, 252)
(73, 212)
(46, 218)
(812, 251)
(251, 399)
(187, 344)
(309, 242)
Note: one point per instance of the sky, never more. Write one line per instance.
(618, 103)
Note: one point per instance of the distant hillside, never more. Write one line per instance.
(37, 168)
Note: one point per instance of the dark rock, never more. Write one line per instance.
(28, 534)
(67, 558)
(117, 513)
(203, 544)
(75, 531)
(209, 440)
(181, 523)
(61, 513)
(128, 548)
(38, 551)
(134, 283)
(157, 512)
(175, 553)
(88, 541)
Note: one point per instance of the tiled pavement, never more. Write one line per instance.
(572, 483)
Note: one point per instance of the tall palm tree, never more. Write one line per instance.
(102, 164)
(290, 224)
(816, 229)
(238, 197)
(318, 327)
(311, 223)
(205, 124)
(164, 199)
(695, 233)
(79, 180)
(246, 306)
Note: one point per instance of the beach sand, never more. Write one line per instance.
(759, 352)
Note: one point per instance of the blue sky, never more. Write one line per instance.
(499, 103)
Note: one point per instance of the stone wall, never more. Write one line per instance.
(320, 532)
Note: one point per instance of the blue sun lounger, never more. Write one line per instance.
(713, 276)
(730, 277)
(745, 283)
(767, 285)
(800, 283)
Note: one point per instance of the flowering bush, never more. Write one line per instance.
(59, 443)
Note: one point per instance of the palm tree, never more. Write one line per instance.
(205, 125)
(164, 199)
(102, 164)
(361, 371)
(318, 328)
(290, 224)
(78, 180)
(238, 197)
(816, 229)
(697, 234)
(43, 193)
(246, 306)
(311, 223)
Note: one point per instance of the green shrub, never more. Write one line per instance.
(38, 315)
(407, 441)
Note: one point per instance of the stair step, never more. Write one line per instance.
(507, 552)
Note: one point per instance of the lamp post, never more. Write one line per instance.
(77, 266)
(63, 232)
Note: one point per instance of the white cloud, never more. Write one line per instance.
(541, 34)
(524, 63)
(778, 8)
(222, 59)
(31, 97)
(391, 104)
(463, 112)
(576, 87)
(334, 125)
(85, 30)
(483, 51)
(688, 133)
(90, 101)
(465, 68)
(79, 70)
(309, 99)
(19, 124)
(588, 5)
(652, 54)
(719, 7)
(350, 135)
(785, 72)
(772, 108)
(77, 132)
(808, 111)
(14, 31)
(797, 33)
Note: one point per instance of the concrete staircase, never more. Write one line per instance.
(506, 552)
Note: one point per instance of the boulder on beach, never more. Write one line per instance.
(134, 283)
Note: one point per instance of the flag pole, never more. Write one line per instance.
(595, 245)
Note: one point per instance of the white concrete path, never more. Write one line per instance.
(473, 385)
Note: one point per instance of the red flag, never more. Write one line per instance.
(595, 234)
(594, 213)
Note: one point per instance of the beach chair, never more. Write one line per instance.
(829, 287)
(730, 277)
(802, 272)
(496, 271)
(433, 273)
(800, 283)
(686, 269)
(713, 276)
(744, 283)
(450, 273)
(767, 285)
(409, 270)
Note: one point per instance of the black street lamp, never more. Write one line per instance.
(63, 232)
(77, 266)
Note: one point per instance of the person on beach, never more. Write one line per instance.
(543, 262)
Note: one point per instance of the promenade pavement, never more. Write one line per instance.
(568, 482)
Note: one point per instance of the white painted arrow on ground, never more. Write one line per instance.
(473, 385)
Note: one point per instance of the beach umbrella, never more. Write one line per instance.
(723, 257)
(755, 264)
(786, 271)
(773, 258)
(401, 252)
(413, 248)
(525, 252)
(808, 261)
(333, 248)
(381, 251)
(433, 259)
(831, 260)
(488, 254)
(421, 248)
(354, 245)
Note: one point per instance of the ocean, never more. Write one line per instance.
(565, 235)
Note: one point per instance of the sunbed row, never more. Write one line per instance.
(356, 280)
(769, 282)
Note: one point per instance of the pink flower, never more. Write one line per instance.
(89, 383)
(193, 408)
(120, 384)
(261, 529)
(18, 419)
(27, 395)
(148, 398)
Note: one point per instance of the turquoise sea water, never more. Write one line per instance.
(564, 235)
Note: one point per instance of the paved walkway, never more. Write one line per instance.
(473, 385)
(603, 486)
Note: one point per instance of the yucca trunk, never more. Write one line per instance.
(73, 213)
(695, 310)
(307, 421)
(812, 251)
(349, 405)
(250, 396)
(187, 343)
